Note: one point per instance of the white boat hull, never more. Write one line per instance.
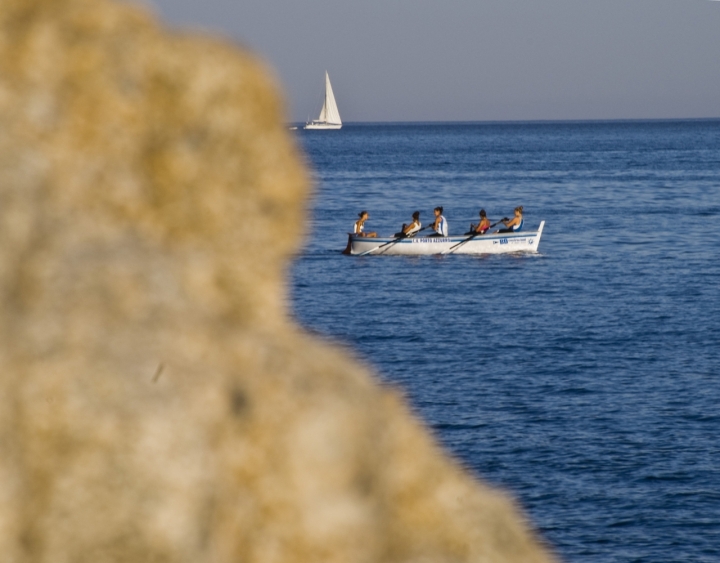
(499, 243)
(323, 126)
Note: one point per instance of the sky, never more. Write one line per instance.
(478, 60)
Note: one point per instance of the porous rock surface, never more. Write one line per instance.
(157, 403)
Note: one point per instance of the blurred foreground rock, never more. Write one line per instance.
(156, 402)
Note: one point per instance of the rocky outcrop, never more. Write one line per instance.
(156, 401)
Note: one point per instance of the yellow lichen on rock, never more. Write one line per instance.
(157, 403)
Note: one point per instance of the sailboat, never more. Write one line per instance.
(329, 114)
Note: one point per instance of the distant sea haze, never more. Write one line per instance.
(584, 379)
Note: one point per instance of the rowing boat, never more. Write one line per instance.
(497, 243)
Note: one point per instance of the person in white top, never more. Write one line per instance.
(359, 226)
(412, 228)
(515, 224)
(440, 225)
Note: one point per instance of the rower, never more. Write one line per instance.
(440, 225)
(482, 227)
(515, 224)
(412, 228)
(359, 226)
(358, 231)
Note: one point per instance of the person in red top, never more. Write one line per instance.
(482, 227)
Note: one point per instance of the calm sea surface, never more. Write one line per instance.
(584, 380)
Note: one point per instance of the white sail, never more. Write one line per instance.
(329, 115)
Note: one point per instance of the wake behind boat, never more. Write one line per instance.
(497, 243)
(329, 115)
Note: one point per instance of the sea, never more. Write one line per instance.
(584, 379)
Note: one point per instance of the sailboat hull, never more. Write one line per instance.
(323, 126)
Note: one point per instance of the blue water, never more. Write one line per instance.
(584, 380)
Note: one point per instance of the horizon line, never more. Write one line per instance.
(519, 121)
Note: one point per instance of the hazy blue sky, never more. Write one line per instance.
(422, 60)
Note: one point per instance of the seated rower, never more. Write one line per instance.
(482, 227)
(358, 231)
(359, 226)
(412, 228)
(440, 225)
(513, 225)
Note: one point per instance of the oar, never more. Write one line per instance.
(472, 236)
(393, 241)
